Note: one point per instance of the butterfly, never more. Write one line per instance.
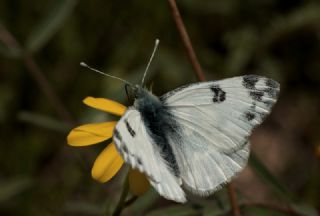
(194, 138)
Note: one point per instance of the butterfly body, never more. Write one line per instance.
(194, 138)
(160, 124)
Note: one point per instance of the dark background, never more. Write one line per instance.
(41, 175)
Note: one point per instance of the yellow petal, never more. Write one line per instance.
(107, 164)
(91, 133)
(105, 105)
(138, 182)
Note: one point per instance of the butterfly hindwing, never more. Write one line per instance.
(204, 170)
(137, 149)
(215, 119)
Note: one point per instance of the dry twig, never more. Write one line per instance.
(186, 40)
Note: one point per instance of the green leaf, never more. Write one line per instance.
(304, 209)
(175, 210)
(272, 181)
(43, 121)
(13, 187)
(50, 24)
(144, 202)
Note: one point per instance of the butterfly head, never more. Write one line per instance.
(134, 91)
(137, 95)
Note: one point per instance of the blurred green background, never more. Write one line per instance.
(41, 175)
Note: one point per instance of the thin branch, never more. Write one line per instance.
(197, 68)
(7, 38)
(186, 40)
(10, 41)
(233, 200)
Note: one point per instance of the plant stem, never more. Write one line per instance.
(197, 69)
(186, 40)
(121, 204)
(130, 201)
(233, 200)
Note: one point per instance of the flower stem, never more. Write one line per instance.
(121, 204)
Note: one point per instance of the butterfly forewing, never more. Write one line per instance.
(137, 149)
(224, 111)
(216, 118)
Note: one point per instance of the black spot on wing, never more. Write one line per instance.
(250, 81)
(139, 161)
(125, 149)
(117, 135)
(256, 95)
(271, 83)
(219, 95)
(253, 113)
(264, 93)
(129, 128)
(250, 115)
(272, 92)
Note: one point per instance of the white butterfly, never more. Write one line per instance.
(194, 138)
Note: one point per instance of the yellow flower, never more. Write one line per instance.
(108, 162)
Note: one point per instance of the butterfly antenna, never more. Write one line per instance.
(152, 55)
(105, 74)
